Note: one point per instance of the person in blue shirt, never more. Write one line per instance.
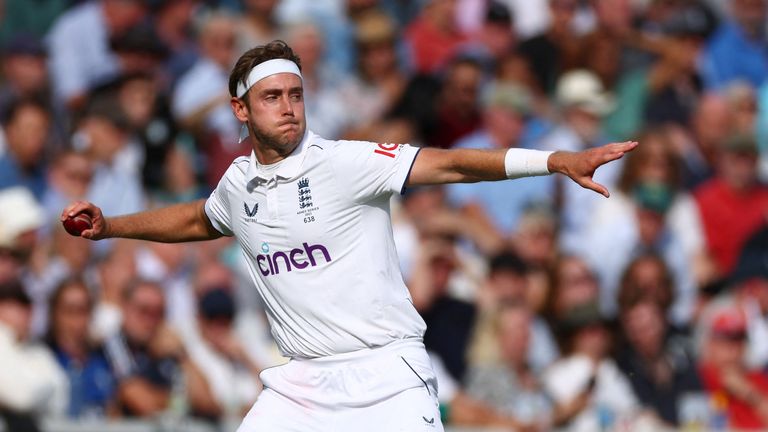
(738, 49)
(91, 380)
(504, 126)
(26, 125)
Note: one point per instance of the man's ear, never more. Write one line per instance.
(239, 109)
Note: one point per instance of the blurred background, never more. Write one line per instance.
(549, 307)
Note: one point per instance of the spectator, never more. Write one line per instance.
(200, 102)
(103, 133)
(659, 365)
(647, 277)
(651, 175)
(61, 257)
(733, 204)
(258, 24)
(91, 381)
(449, 320)
(170, 265)
(27, 126)
(656, 162)
(499, 205)
(149, 114)
(462, 410)
(24, 72)
(674, 80)
(724, 373)
(572, 282)
(379, 82)
(649, 233)
(110, 278)
(535, 238)
(698, 147)
(20, 219)
(737, 50)
(321, 80)
(33, 383)
(510, 385)
(219, 353)
(508, 283)
(339, 21)
(751, 280)
(494, 38)
(586, 386)
(443, 110)
(149, 360)
(80, 57)
(172, 19)
(555, 50)
(179, 178)
(433, 36)
(583, 102)
(250, 323)
(747, 293)
(536, 242)
(138, 49)
(741, 97)
(614, 25)
(68, 178)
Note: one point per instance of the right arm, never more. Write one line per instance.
(177, 223)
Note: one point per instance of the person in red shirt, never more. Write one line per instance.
(433, 36)
(725, 374)
(733, 204)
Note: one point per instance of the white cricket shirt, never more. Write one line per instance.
(316, 232)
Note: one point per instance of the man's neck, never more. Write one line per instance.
(270, 156)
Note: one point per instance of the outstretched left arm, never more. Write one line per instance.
(433, 166)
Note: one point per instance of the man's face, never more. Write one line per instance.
(17, 316)
(508, 285)
(27, 133)
(124, 14)
(462, 86)
(25, 72)
(144, 313)
(275, 115)
(644, 327)
(738, 168)
(515, 334)
(218, 41)
(504, 123)
(73, 312)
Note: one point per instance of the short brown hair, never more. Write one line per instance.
(276, 49)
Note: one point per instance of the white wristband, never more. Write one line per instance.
(526, 163)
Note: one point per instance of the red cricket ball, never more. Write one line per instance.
(78, 223)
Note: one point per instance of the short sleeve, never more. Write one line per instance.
(217, 206)
(368, 170)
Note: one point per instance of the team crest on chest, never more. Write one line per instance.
(305, 194)
(306, 205)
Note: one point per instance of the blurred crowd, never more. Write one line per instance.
(548, 306)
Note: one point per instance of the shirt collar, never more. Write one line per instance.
(286, 168)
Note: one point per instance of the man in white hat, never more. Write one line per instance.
(20, 218)
(583, 102)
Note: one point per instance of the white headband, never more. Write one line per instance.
(263, 70)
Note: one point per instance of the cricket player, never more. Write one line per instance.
(312, 217)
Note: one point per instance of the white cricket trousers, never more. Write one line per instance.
(387, 389)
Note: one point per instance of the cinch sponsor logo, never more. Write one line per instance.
(272, 264)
